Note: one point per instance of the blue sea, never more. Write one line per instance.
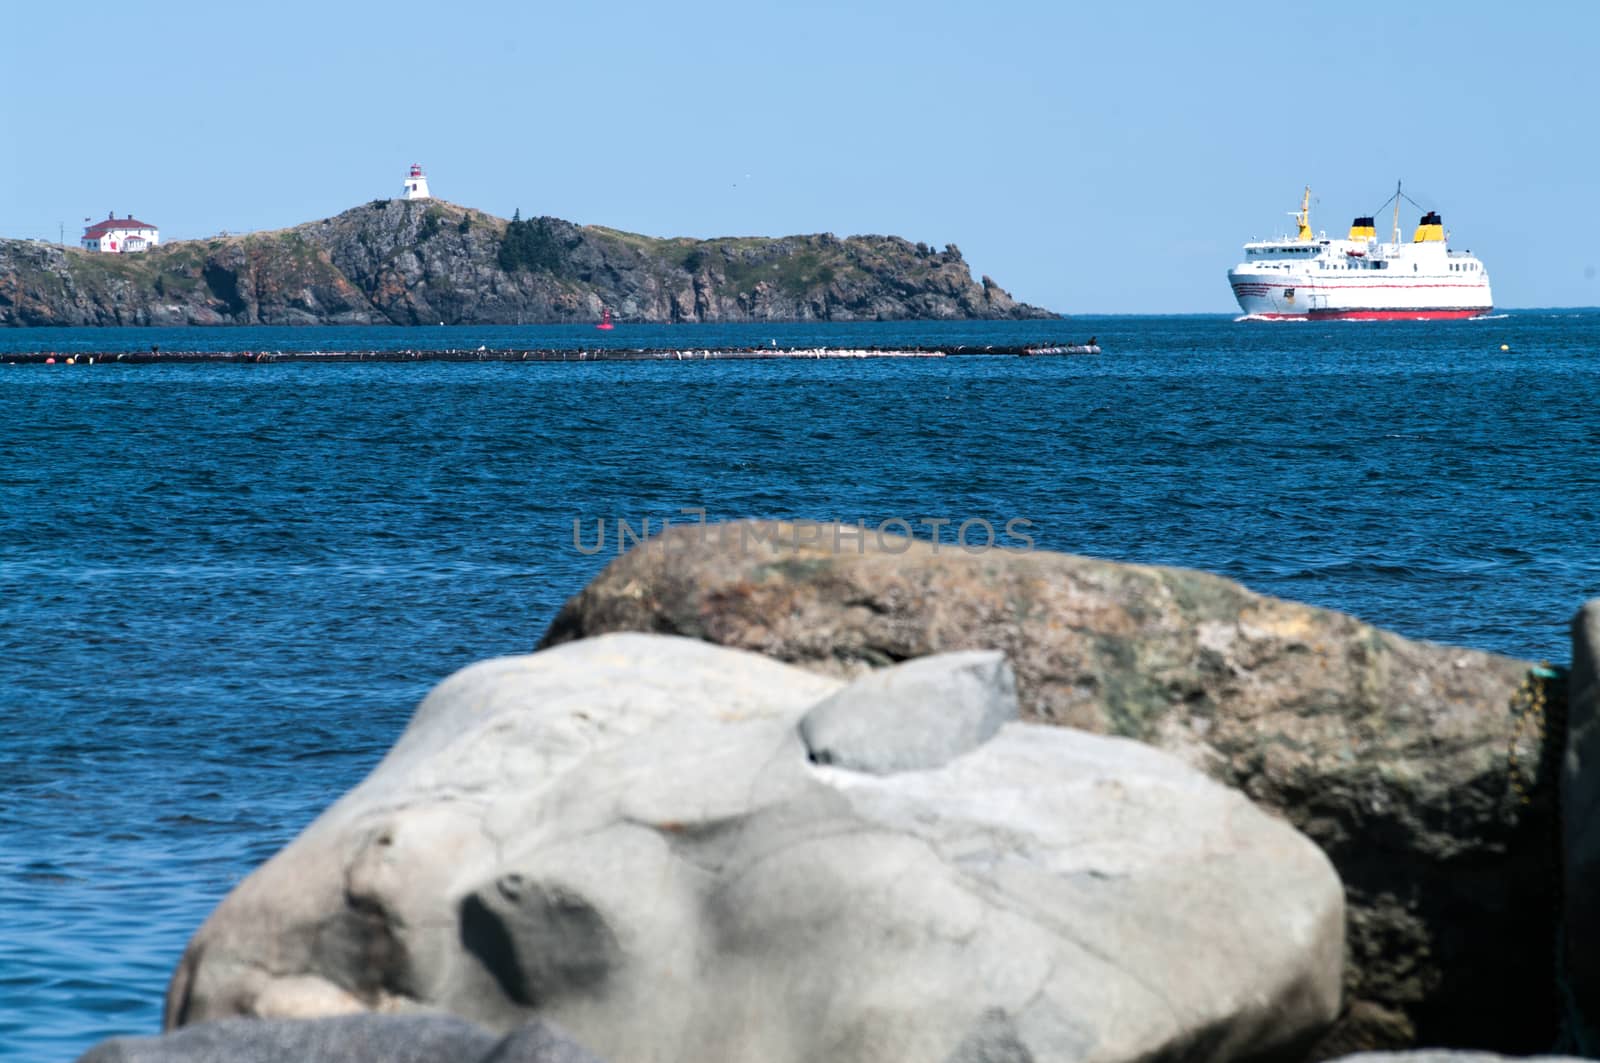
(224, 588)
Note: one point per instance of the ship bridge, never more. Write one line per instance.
(1282, 247)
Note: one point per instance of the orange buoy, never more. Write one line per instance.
(50, 361)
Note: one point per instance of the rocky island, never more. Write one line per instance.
(411, 262)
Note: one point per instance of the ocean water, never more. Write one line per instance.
(224, 588)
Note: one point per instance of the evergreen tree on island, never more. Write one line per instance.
(529, 245)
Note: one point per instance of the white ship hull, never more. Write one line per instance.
(1367, 298)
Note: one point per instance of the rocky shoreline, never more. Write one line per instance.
(783, 800)
(429, 262)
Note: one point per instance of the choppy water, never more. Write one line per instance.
(223, 588)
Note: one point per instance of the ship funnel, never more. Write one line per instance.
(1429, 229)
(1363, 228)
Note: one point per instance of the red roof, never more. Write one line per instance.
(100, 228)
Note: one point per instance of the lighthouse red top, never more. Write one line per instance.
(416, 170)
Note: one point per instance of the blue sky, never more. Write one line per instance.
(1093, 158)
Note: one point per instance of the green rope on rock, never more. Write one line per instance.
(1540, 706)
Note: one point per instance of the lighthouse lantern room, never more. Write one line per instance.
(416, 184)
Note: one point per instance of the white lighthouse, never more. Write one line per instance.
(416, 184)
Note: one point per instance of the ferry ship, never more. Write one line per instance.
(1311, 277)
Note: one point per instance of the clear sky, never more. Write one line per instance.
(1096, 157)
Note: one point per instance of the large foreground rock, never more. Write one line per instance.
(1580, 804)
(630, 836)
(344, 1039)
(1393, 755)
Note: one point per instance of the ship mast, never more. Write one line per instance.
(1396, 236)
(1303, 217)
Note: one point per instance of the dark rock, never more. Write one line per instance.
(1580, 812)
(1395, 756)
(539, 941)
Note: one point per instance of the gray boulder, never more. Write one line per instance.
(539, 1042)
(359, 1038)
(626, 836)
(914, 717)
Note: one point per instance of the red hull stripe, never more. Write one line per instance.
(1379, 315)
(1313, 286)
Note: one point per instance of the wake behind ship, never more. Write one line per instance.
(1304, 277)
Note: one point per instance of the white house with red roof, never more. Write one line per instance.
(120, 235)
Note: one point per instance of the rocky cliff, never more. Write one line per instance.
(426, 262)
